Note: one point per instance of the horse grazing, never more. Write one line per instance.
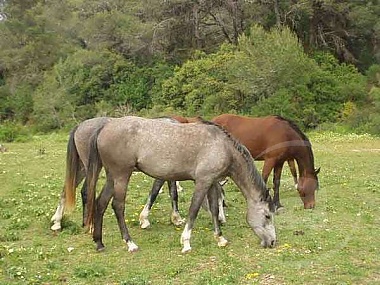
(158, 184)
(275, 140)
(204, 153)
(76, 168)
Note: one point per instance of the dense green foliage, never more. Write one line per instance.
(316, 62)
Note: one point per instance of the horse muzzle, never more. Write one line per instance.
(268, 244)
(309, 205)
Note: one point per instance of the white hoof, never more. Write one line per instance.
(144, 224)
(186, 249)
(56, 227)
(132, 247)
(222, 242)
(177, 220)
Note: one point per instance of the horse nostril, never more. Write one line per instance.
(272, 243)
(309, 206)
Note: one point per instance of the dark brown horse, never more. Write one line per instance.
(275, 140)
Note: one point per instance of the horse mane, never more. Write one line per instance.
(294, 126)
(167, 118)
(254, 173)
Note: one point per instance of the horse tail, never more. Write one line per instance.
(73, 168)
(93, 170)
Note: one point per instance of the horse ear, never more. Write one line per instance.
(317, 171)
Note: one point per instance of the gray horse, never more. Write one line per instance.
(203, 152)
(76, 168)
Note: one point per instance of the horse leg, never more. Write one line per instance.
(100, 207)
(293, 171)
(213, 197)
(199, 195)
(267, 168)
(58, 215)
(220, 197)
(221, 204)
(118, 205)
(83, 193)
(175, 217)
(157, 184)
(276, 185)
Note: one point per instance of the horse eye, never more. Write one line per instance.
(267, 217)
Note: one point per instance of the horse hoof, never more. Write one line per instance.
(186, 249)
(222, 220)
(144, 224)
(133, 250)
(56, 227)
(100, 248)
(176, 219)
(178, 222)
(222, 242)
(132, 247)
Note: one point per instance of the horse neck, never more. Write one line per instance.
(305, 161)
(248, 179)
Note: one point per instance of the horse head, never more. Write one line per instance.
(307, 185)
(260, 219)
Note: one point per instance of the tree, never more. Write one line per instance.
(71, 90)
(266, 62)
(200, 86)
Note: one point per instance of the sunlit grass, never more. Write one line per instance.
(336, 243)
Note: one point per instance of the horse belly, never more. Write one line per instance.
(166, 165)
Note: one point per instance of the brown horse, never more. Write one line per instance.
(185, 120)
(275, 140)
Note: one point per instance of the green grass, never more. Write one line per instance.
(336, 243)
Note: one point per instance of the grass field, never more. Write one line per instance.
(336, 243)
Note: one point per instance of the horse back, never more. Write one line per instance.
(161, 149)
(83, 133)
(264, 137)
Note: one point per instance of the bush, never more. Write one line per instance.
(14, 132)
(367, 119)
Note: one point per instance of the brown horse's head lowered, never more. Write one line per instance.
(306, 188)
(276, 140)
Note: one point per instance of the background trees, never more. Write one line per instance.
(315, 61)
